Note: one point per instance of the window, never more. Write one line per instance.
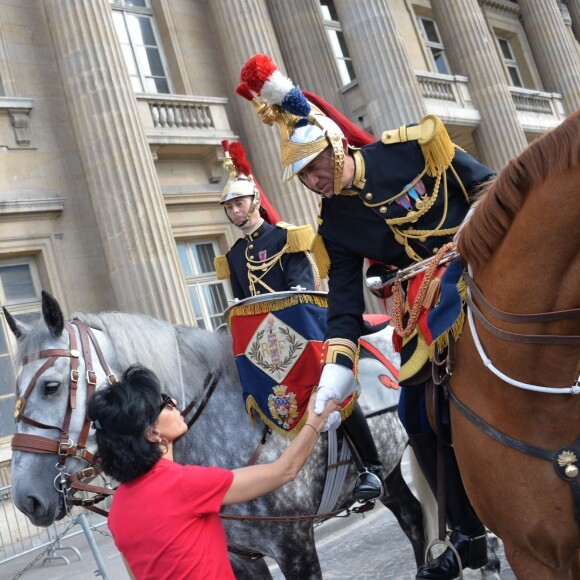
(432, 41)
(337, 43)
(137, 33)
(20, 293)
(510, 62)
(208, 295)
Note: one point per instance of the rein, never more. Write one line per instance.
(64, 482)
(308, 518)
(209, 384)
(472, 308)
(564, 459)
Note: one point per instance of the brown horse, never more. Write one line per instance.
(523, 245)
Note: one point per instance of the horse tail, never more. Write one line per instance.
(426, 498)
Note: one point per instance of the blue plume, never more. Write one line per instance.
(295, 102)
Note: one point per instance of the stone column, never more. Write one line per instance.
(305, 46)
(471, 51)
(574, 10)
(555, 53)
(386, 78)
(242, 32)
(139, 249)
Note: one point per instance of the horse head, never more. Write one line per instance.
(53, 436)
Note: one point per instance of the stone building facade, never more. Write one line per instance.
(112, 113)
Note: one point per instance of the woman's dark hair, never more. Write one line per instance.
(122, 413)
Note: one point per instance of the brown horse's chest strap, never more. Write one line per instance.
(565, 460)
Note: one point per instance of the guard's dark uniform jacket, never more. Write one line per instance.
(379, 217)
(264, 261)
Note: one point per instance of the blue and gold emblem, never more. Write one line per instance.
(283, 406)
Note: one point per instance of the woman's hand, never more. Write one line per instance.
(319, 421)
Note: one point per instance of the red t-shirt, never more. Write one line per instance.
(166, 522)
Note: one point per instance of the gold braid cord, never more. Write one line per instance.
(257, 269)
(403, 236)
(399, 302)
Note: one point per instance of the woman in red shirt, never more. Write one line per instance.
(165, 516)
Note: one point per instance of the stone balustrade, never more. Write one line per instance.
(183, 121)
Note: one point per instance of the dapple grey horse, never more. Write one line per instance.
(184, 358)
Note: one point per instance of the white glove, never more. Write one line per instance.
(336, 382)
(332, 422)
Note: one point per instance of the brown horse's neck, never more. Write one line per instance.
(536, 267)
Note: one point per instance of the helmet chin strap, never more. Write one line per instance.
(338, 154)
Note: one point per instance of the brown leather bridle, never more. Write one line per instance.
(565, 460)
(64, 447)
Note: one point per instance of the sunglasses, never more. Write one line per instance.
(166, 401)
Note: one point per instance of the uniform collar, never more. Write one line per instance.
(358, 180)
(260, 229)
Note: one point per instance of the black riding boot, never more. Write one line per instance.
(369, 484)
(467, 532)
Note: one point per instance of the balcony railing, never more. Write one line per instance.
(181, 115)
(537, 109)
(183, 122)
(448, 96)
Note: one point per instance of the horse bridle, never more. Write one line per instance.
(65, 482)
(565, 459)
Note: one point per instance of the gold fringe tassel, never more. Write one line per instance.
(346, 412)
(437, 147)
(456, 328)
(300, 238)
(274, 305)
(222, 268)
(321, 256)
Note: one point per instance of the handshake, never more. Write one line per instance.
(336, 382)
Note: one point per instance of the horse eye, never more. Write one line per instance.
(51, 387)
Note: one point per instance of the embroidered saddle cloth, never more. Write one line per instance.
(277, 341)
(442, 311)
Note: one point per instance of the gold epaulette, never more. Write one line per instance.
(222, 268)
(299, 238)
(437, 147)
(321, 256)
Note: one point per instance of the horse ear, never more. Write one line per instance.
(52, 314)
(18, 328)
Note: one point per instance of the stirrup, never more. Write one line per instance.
(447, 543)
(369, 472)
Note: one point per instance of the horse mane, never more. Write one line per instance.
(137, 338)
(500, 199)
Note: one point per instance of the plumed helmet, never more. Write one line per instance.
(241, 180)
(241, 183)
(305, 131)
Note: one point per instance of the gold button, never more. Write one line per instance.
(435, 250)
(383, 209)
(257, 291)
(251, 257)
(255, 234)
(251, 246)
(388, 134)
(369, 195)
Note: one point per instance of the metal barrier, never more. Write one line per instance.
(18, 537)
